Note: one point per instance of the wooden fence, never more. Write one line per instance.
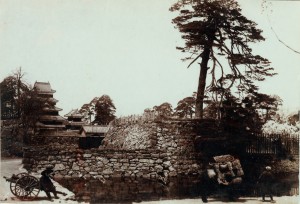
(278, 144)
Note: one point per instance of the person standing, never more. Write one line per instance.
(266, 180)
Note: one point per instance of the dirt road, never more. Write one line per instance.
(14, 166)
(279, 200)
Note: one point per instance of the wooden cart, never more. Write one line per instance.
(24, 186)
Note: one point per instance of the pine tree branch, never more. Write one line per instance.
(279, 38)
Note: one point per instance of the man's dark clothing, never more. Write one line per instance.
(46, 183)
(266, 180)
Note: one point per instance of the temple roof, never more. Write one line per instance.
(51, 109)
(94, 129)
(51, 118)
(52, 100)
(72, 123)
(43, 88)
(44, 126)
(74, 113)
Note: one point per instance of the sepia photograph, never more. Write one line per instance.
(149, 101)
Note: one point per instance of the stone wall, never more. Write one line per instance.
(55, 140)
(98, 163)
(129, 190)
(170, 152)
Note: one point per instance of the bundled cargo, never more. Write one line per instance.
(224, 174)
(226, 169)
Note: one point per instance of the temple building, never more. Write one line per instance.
(74, 120)
(50, 118)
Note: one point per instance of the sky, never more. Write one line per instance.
(127, 49)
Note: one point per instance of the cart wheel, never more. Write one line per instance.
(13, 184)
(27, 187)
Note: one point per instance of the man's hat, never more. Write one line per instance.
(49, 167)
(268, 167)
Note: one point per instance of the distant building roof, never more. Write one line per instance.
(52, 100)
(94, 129)
(51, 109)
(43, 87)
(51, 118)
(74, 123)
(46, 126)
(74, 113)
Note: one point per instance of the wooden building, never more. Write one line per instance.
(92, 136)
(74, 120)
(50, 118)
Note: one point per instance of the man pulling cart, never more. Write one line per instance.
(27, 187)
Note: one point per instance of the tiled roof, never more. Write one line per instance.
(52, 100)
(43, 87)
(94, 129)
(51, 117)
(41, 125)
(76, 123)
(51, 109)
(74, 113)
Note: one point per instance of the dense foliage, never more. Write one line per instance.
(105, 110)
(186, 107)
(164, 109)
(20, 104)
(11, 89)
(282, 123)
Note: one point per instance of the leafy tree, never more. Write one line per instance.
(88, 111)
(165, 109)
(240, 116)
(21, 104)
(283, 123)
(212, 110)
(105, 110)
(8, 103)
(268, 104)
(243, 114)
(147, 110)
(31, 108)
(11, 89)
(214, 31)
(185, 107)
(294, 118)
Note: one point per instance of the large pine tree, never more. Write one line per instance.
(215, 31)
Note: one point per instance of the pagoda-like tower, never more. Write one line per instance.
(74, 120)
(50, 118)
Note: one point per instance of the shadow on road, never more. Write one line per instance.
(225, 200)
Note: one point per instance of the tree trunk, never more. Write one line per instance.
(202, 82)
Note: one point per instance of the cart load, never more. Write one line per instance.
(226, 169)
